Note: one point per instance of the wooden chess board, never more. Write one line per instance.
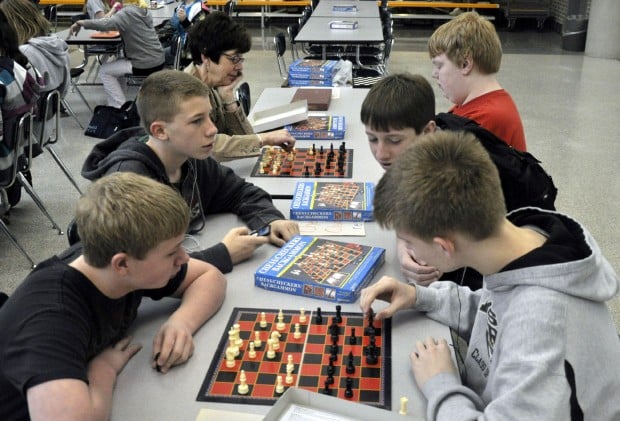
(311, 352)
(305, 162)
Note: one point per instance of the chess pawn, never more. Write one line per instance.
(243, 387)
(289, 375)
(271, 353)
(289, 363)
(279, 385)
(280, 325)
(297, 332)
(403, 405)
(302, 316)
(230, 358)
(252, 352)
(257, 342)
(263, 320)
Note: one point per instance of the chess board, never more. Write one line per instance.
(337, 195)
(371, 382)
(312, 162)
(326, 259)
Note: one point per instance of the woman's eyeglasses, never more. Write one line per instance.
(234, 59)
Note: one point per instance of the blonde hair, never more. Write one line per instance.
(129, 213)
(26, 19)
(468, 36)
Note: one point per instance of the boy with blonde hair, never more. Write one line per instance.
(64, 329)
(466, 54)
(542, 343)
(176, 150)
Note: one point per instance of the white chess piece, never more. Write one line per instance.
(297, 332)
(252, 352)
(257, 342)
(302, 315)
(230, 358)
(271, 353)
(263, 320)
(243, 387)
(279, 385)
(403, 405)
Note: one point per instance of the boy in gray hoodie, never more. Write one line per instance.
(542, 343)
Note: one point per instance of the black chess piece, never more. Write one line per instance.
(330, 368)
(333, 350)
(334, 339)
(330, 380)
(348, 392)
(350, 369)
(338, 314)
(321, 151)
(307, 171)
(317, 168)
(318, 319)
(326, 389)
(352, 338)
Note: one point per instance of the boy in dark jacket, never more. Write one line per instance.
(174, 109)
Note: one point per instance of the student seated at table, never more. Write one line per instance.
(143, 51)
(217, 44)
(175, 150)
(466, 54)
(64, 329)
(186, 13)
(97, 9)
(396, 112)
(542, 342)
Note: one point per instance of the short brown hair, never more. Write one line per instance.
(399, 101)
(445, 182)
(468, 36)
(162, 93)
(130, 213)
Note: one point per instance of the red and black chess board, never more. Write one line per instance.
(311, 353)
(321, 162)
(326, 260)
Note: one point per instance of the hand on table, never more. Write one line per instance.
(173, 345)
(74, 29)
(399, 294)
(414, 271)
(431, 357)
(116, 356)
(282, 230)
(240, 245)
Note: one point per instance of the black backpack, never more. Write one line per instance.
(524, 181)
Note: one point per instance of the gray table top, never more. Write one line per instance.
(346, 102)
(365, 9)
(143, 393)
(317, 30)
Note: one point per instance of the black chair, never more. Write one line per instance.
(243, 96)
(48, 114)
(17, 134)
(279, 41)
(75, 73)
(229, 8)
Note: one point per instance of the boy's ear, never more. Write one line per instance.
(430, 127)
(119, 263)
(158, 130)
(467, 65)
(446, 245)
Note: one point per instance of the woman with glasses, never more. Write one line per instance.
(217, 45)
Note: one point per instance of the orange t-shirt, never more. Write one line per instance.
(496, 112)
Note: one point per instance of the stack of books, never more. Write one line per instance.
(306, 72)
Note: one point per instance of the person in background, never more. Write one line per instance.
(542, 343)
(466, 54)
(48, 54)
(217, 44)
(188, 12)
(143, 51)
(18, 94)
(64, 329)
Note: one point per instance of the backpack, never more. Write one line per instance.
(524, 181)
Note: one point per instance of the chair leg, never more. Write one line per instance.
(16, 243)
(63, 167)
(70, 110)
(26, 185)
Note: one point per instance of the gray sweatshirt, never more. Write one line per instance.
(50, 56)
(142, 47)
(542, 342)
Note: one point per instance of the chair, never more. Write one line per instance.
(17, 134)
(49, 107)
(51, 14)
(279, 41)
(243, 96)
(75, 74)
(229, 8)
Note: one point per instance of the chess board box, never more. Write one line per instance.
(318, 128)
(320, 268)
(279, 116)
(318, 98)
(296, 82)
(332, 201)
(313, 69)
(303, 402)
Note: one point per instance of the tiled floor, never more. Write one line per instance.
(568, 102)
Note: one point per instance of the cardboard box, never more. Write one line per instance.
(319, 268)
(332, 201)
(318, 128)
(318, 99)
(292, 81)
(297, 404)
(279, 116)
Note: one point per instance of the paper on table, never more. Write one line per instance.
(327, 228)
(217, 414)
(305, 413)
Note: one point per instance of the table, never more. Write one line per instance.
(346, 102)
(142, 393)
(316, 30)
(365, 9)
